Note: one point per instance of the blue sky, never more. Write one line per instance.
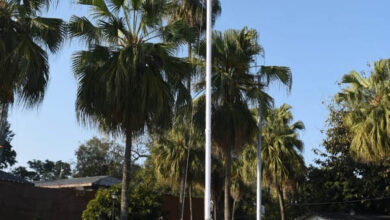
(319, 40)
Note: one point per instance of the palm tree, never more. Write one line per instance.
(193, 12)
(24, 35)
(367, 101)
(234, 87)
(174, 146)
(129, 79)
(281, 153)
(233, 124)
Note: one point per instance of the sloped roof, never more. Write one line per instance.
(9, 177)
(105, 181)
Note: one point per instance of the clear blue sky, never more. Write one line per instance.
(319, 40)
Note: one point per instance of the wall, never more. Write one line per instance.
(22, 201)
(26, 202)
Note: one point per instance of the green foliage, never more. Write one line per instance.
(193, 12)
(44, 170)
(23, 38)
(283, 167)
(145, 200)
(122, 63)
(7, 154)
(338, 178)
(367, 101)
(99, 157)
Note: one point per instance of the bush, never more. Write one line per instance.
(145, 200)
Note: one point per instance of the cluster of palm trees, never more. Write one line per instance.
(131, 81)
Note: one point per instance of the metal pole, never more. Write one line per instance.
(207, 192)
(258, 192)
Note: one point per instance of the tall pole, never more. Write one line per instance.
(258, 192)
(207, 192)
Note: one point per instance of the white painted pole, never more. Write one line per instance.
(258, 192)
(207, 191)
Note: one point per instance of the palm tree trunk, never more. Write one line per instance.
(214, 199)
(281, 202)
(234, 208)
(190, 199)
(182, 191)
(126, 178)
(3, 114)
(215, 211)
(228, 161)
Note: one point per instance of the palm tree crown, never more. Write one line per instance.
(24, 36)
(367, 100)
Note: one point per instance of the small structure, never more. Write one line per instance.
(82, 183)
(9, 177)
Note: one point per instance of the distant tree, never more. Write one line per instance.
(26, 174)
(44, 170)
(7, 154)
(99, 157)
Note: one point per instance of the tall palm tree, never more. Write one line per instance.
(193, 12)
(281, 153)
(24, 37)
(233, 86)
(367, 100)
(129, 79)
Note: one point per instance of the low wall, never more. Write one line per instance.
(23, 201)
(26, 202)
(171, 205)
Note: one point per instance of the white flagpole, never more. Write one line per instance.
(207, 192)
(258, 194)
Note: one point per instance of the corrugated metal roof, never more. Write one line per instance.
(79, 182)
(9, 177)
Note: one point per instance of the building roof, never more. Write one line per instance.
(9, 177)
(105, 181)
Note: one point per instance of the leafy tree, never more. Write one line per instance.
(44, 170)
(129, 78)
(367, 101)
(339, 179)
(26, 174)
(98, 157)
(7, 154)
(145, 199)
(24, 35)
